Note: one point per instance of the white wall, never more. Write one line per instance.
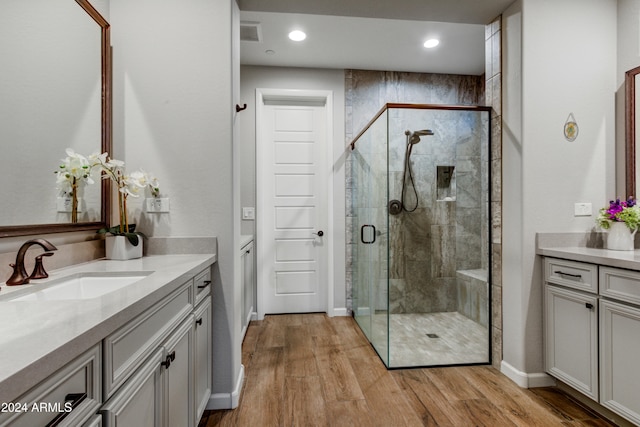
(253, 77)
(173, 116)
(559, 58)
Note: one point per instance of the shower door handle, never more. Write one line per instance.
(373, 234)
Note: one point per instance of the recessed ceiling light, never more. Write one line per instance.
(297, 35)
(431, 43)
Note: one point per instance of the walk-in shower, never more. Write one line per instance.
(421, 235)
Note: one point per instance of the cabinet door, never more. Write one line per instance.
(203, 361)
(571, 338)
(139, 402)
(178, 376)
(247, 286)
(619, 350)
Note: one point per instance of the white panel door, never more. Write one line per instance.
(294, 191)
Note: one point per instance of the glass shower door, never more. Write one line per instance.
(370, 283)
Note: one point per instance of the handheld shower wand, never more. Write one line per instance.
(412, 139)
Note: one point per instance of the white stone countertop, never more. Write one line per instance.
(621, 259)
(39, 337)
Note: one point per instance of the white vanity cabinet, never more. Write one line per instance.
(158, 366)
(592, 332)
(571, 324)
(247, 257)
(71, 396)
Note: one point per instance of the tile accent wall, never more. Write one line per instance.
(493, 75)
(419, 246)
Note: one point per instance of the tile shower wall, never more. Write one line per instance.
(493, 76)
(423, 243)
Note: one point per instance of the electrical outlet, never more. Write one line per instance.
(157, 205)
(582, 209)
(248, 213)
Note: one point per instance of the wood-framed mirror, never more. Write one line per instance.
(55, 93)
(632, 170)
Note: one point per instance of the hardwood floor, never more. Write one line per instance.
(311, 370)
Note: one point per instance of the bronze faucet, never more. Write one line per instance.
(19, 276)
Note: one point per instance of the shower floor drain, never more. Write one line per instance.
(433, 335)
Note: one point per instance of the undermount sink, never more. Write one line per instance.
(81, 286)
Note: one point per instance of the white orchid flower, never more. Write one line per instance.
(133, 183)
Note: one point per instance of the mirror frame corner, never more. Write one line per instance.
(106, 144)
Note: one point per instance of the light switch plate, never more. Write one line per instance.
(248, 213)
(158, 205)
(582, 209)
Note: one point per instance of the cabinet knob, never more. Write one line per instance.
(199, 321)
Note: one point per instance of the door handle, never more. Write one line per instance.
(320, 233)
(373, 234)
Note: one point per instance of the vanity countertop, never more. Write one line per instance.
(621, 259)
(39, 337)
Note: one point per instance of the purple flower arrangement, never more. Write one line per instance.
(620, 211)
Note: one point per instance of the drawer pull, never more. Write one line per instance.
(588, 305)
(562, 273)
(75, 399)
(199, 321)
(167, 361)
(206, 283)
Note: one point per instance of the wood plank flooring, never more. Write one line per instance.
(311, 370)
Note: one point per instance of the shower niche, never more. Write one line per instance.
(446, 183)
(420, 230)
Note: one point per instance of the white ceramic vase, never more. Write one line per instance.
(119, 248)
(620, 237)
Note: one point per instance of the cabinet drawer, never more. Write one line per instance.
(79, 382)
(127, 348)
(202, 284)
(577, 275)
(623, 285)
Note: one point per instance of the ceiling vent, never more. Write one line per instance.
(250, 31)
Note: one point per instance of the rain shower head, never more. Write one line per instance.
(414, 137)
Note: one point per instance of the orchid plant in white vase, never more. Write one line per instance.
(127, 184)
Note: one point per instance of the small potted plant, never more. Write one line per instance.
(123, 241)
(621, 219)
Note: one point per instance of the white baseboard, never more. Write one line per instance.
(342, 311)
(525, 380)
(227, 400)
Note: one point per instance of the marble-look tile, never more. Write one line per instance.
(496, 306)
(496, 136)
(488, 59)
(496, 54)
(496, 267)
(496, 347)
(459, 339)
(496, 178)
(496, 222)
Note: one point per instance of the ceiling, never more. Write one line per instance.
(371, 35)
